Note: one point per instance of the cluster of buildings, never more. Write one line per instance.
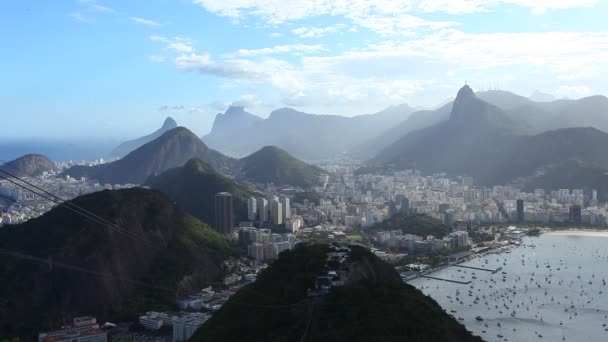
(263, 245)
(18, 205)
(268, 211)
(417, 245)
(83, 329)
(362, 200)
(183, 324)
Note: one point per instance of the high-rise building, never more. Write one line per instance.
(594, 195)
(276, 212)
(252, 209)
(262, 208)
(520, 210)
(575, 213)
(467, 181)
(286, 207)
(223, 213)
(184, 327)
(402, 203)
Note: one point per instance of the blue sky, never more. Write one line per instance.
(101, 68)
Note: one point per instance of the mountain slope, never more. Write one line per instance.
(274, 165)
(227, 126)
(172, 149)
(193, 188)
(470, 142)
(32, 164)
(129, 146)
(373, 305)
(425, 118)
(572, 174)
(306, 136)
(184, 255)
(483, 141)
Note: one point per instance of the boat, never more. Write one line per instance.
(479, 318)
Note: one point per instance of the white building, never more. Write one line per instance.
(286, 207)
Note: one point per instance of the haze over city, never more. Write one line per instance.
(294, 170)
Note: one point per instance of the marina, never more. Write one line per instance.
(549, 288)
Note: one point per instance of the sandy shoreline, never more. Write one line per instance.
(579, 232)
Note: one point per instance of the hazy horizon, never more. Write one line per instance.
(100, 68)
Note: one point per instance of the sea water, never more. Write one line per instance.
(552, 288)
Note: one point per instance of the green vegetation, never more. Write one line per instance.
(273, 165)
(183, 255)
(311, 196)
(416, 224)
(478, 237)
(31, 164)
(193, 187)
(573, 174)
(353, 237)
(375, 305)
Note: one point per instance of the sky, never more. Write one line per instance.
(94, 69)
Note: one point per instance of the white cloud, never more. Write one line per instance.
(276, 35)
(143, 21)
(395, 70)
(104, 9)
(278, 49)
(316, 32)
(248, 101)
(276, 12)
(80, 17)
(471, 6)
(176, 44)
(363, 12)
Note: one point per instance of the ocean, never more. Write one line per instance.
(551, 288)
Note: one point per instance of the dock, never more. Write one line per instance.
(449, 280)
(477, 268)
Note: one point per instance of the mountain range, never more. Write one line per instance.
(177, 146)
(131, 145)
(122, 275)
(374, 304)
(29, 165)
(172, 149)
(482, 140)
(306, 136)
(532, 116)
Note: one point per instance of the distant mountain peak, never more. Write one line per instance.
(465, 92)
(131, 145)
(466, 105)
(234, 110)
(538, 96)
(169, 123)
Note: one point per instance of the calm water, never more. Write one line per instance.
(555, 290)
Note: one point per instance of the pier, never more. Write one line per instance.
(449, 280)
(478, 268)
